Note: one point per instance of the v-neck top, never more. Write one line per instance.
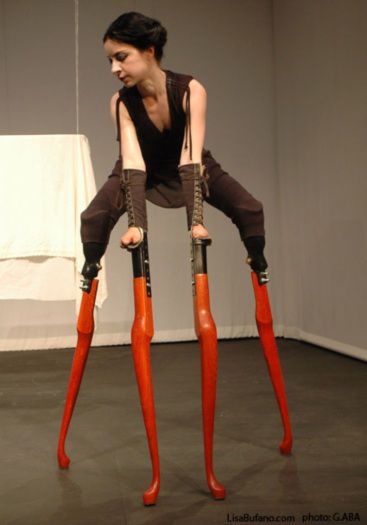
(161, 150)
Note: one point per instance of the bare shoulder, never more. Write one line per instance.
(197, 97)
(122, 108)
(196, 88)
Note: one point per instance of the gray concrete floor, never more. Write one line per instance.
(110, 469)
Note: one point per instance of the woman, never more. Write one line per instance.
(160, 118)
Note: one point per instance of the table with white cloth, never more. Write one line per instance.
(46, 181)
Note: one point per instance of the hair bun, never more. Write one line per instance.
(138, 30)
(160, 34)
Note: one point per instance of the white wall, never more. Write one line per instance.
(321, 100)
(229, 49)
(286, 82)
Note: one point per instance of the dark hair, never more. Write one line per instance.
(138, 30)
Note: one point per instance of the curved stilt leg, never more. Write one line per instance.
(264, 323)
(85, 330)
(141, 335)
(207, 334)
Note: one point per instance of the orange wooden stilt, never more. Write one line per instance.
(141, 335)
(264, 323)
(85, 330)
(207, 334)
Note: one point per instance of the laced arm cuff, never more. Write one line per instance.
(194, 186)
(133, 187)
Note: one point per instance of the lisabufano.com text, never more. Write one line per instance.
(336, 517)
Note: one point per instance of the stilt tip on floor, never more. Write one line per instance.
(149, 499)
(63, 460)
(286, 447)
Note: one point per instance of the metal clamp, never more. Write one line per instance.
(91, 270)
(263, 277)
(140, 257)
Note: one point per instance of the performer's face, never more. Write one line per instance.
(128, 63)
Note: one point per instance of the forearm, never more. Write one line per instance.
(190, 169)
(133, 174)
(132, 157)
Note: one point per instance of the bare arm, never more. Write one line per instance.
(131, 158)
(130, 147)
(198, 120)
(198, 104)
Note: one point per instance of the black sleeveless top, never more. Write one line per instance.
(161, 150)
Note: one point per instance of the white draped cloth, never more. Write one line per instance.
(46, 181)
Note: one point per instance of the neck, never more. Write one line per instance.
(154, 84)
